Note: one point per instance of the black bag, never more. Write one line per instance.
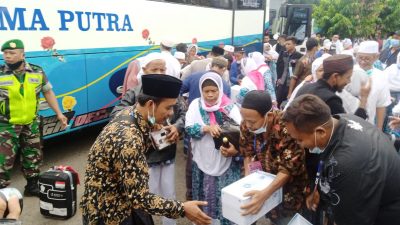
(58, 192)
(230, 130)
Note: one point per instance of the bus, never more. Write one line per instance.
(85, 47)
(294, 20)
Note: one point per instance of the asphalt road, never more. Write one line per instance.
(72, 150)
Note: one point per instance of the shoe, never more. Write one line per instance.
(32, 187)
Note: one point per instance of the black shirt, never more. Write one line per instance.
(361, 175)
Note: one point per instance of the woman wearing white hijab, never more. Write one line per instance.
(212, 169)
(265, 70)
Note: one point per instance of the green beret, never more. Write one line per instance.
(12, 44)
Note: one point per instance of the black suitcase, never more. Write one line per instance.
(58, 193)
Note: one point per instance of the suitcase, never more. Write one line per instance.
(58, 192)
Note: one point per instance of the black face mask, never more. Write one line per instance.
(14, 66)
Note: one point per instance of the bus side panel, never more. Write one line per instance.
(106, 72)
(249, 29)
(68, 79)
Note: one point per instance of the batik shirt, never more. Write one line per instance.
(116, 177)
(278, 152)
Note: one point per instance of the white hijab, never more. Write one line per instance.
(216, 78)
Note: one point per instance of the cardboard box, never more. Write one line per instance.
(299, 220)
(232, 197)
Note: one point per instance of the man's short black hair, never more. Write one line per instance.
(181, 47)
(306, 112)
(311, 43)
(292, 39)
(257, 100)
(143, 99)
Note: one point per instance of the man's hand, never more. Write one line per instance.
(173, 133)
(63, 120)
(229, 152)
(213, 130)
(312, 201)
(194, 213)
(394, 122)
(366, 89)
(257, 201)
(309, 78)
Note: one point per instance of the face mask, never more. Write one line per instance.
(316, 149)
(369, 72)
(259, 130)
(262, 129)
(14, 66)
(151, 119)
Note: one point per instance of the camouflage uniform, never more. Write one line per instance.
(14, 137)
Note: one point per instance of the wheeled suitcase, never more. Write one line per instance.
(58, 192)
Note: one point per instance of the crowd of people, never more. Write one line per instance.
(320, 121)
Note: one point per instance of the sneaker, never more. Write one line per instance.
(32, 187)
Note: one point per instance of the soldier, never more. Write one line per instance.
(21, 84)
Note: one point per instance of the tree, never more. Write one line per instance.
(389, 17)
(350, 18)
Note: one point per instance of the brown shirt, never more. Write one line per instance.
(116, 178)
(280, 153)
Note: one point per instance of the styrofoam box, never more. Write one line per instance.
(299, 220)
(232, 197)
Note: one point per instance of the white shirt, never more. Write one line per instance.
(339, 46)
(393, 75)
(379, 95)
(172, 64)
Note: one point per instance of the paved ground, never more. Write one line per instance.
(72, 150)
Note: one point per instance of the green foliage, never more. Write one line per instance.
(357, 18)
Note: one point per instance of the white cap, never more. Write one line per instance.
(369, 47)
(179, 55)
(151, 57)
(327, 44)
(347, 43)
(229, 48)
(168, 43)
(396, 110)
(276, 36)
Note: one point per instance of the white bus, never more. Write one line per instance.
(84, 46)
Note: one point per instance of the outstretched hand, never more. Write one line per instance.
(194, 213)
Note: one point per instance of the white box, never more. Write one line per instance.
(299, 220)
(232, 197)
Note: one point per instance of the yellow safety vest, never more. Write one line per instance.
(22, 108)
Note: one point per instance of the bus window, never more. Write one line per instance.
(298, 20)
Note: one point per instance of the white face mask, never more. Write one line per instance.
(316, 149)
(262, 129)
(259, 130)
